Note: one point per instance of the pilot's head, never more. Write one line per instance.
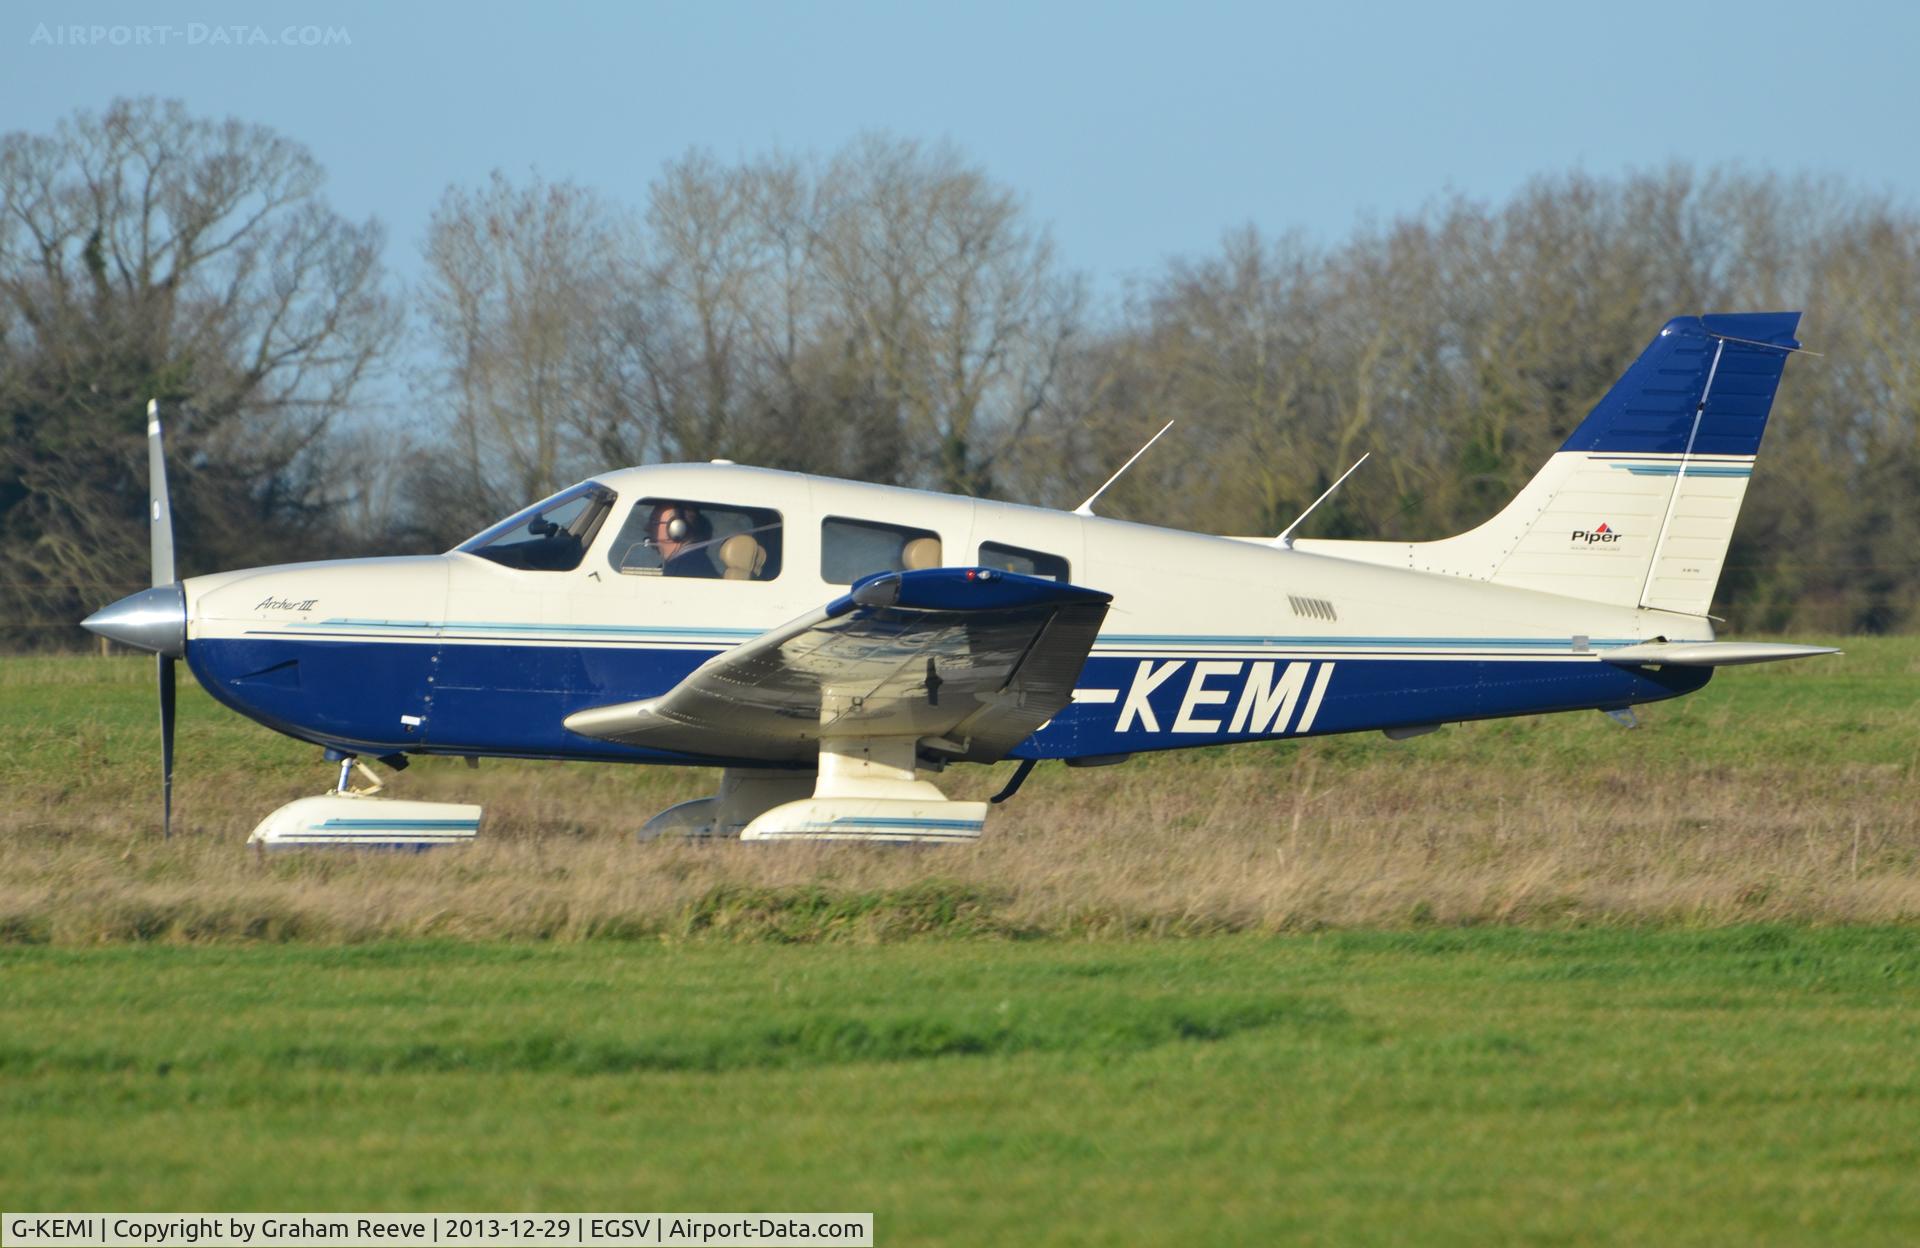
(673, 527)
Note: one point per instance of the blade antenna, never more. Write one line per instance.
(1086, 508)
(1285, 540)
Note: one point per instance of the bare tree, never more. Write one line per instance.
(953, 308)
(891, 314)
(522, 288)
(145, 252)
(887, 314)
(1463, 343)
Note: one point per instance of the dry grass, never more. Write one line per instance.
(1786, 793)
(1165, 846)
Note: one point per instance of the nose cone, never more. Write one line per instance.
(153, 619)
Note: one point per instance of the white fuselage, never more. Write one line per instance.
(1218, 607)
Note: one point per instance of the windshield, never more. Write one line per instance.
(550, 536)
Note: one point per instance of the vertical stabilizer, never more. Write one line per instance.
(1638, 506)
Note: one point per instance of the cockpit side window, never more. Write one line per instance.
(851, 549)
(685, 537)
(1025, 562)
(550, 536)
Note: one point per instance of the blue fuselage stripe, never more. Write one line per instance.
(507, 699)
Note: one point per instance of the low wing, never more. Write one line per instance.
(972, 660)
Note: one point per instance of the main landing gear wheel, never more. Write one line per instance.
(865, 790)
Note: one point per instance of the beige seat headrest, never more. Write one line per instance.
(921, 552)
(742, 558)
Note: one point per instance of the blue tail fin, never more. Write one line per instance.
(1638, 507)
(1651, 409)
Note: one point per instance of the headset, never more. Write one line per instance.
(680, 527)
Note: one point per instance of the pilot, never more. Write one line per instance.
(681, 534)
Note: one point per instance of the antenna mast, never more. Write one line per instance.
(1086, 508)
(1285, 540)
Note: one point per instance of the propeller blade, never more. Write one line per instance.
(159, 507)
(166, 674)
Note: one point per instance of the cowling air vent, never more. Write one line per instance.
(284, 675)
(1313, 608)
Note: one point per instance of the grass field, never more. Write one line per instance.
(1784, 793)
(1753, 1085)
(1534, 981)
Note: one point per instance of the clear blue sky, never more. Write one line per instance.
(1136, 132)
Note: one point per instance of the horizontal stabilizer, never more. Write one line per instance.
(1710, 653)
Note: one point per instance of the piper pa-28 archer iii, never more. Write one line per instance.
(827, 642)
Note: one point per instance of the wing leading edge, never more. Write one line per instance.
(972, 660)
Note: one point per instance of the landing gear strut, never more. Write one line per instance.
(350, 764)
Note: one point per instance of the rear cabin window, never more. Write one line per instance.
(851, 549)
(685, 537)
(1025, 562)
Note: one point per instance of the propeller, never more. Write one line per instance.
(160, 546)
(154, 619)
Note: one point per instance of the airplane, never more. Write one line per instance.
(826, 644)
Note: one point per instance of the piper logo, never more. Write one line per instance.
(1601, 534)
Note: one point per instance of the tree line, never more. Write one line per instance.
(891, 313)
